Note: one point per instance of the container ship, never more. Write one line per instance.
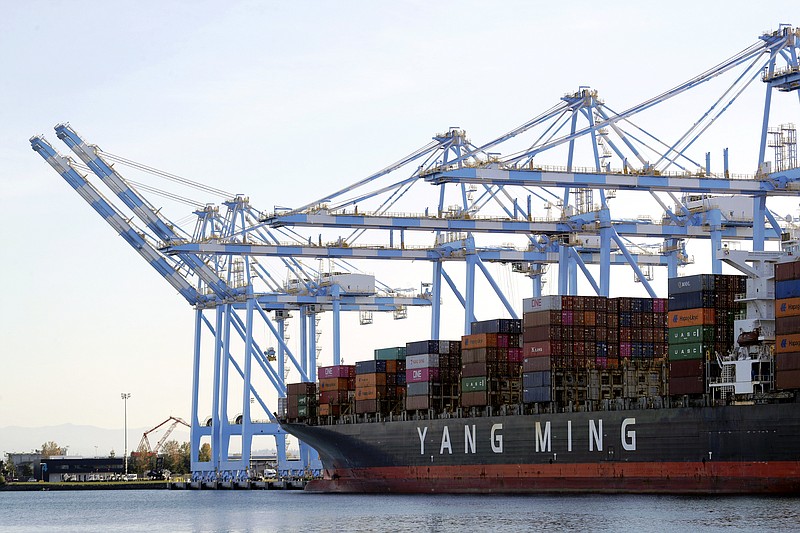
(694, 393)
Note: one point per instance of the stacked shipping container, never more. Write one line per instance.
(432, 372)
(787, 325)
(301, 400)
(491, 361)
(702, 310)
(377, 389)
(576, 347)
(337, 386)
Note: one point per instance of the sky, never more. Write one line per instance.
(282, 102)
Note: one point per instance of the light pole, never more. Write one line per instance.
(125, 396)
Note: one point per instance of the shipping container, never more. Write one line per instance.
(691, 317)
(687, 385)
(536, 394)
(787, 307)
(542, 303)
(333, 384)
(692, 300)
(474, 399)
(536, 379)
(387, 354)
(536, 364)
(786, 325)
(329, 410)
(787, 361)
(499, 325)
(371, 406)
(423, 347)
(478, 355)
(691, 334)
(696, 350)
(423, 388)
(698, 282)
(786, 271)
(334, 397)
(686, 368)
(370, 380)
(305, 387)
(473, 384)
(418, 402)
(787, 289)
(338, 371)
(417, 375)
(370, 367)
(371, 393)
(788, 379)
(422, 361)
(787, 343)
(479, 340)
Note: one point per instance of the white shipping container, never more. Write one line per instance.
(543, 303)
(427, 360)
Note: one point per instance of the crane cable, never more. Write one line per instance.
(168, 176)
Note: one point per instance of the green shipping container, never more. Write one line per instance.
(302, 400)
(397, 353)
(681, 352)
(476, 384)
(692, 335)
(303, 411)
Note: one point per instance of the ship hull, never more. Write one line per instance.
(719, 450)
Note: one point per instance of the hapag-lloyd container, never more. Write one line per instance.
(787, 307)
(787, 343)
(691, 317)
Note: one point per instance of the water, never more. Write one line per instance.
(244, 511)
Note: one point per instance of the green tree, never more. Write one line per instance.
(186, 457)
(173, 461)
(9, 468)
(205, 452)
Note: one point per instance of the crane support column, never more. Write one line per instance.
(469, 297)
(714, 218)
(759, 210)
(337, 309)
(436, 300)
(247, 435)
(605, 252)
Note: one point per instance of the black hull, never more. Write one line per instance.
(733, 449)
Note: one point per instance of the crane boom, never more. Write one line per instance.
(105, 209)
(153, 220)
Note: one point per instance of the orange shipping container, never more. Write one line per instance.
(479, 340)
(691, 317)
(589, 318)
(370, 393)
(787, 307)
(391, 366)
(370, 380)
(330, 384)
(787, 343)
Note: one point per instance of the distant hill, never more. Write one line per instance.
(86, 441)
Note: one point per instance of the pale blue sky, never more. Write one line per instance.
(282, 102)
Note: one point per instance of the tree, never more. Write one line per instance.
(9, 468)
(50, 449)
(205, 453)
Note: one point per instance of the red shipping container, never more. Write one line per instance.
(787, 379)
(687, 385)
(686, 368)
(515, 355)
(541, 318)
(334, 396)
(787, 361)
(536, 364)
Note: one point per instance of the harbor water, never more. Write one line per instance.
(252, 511)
